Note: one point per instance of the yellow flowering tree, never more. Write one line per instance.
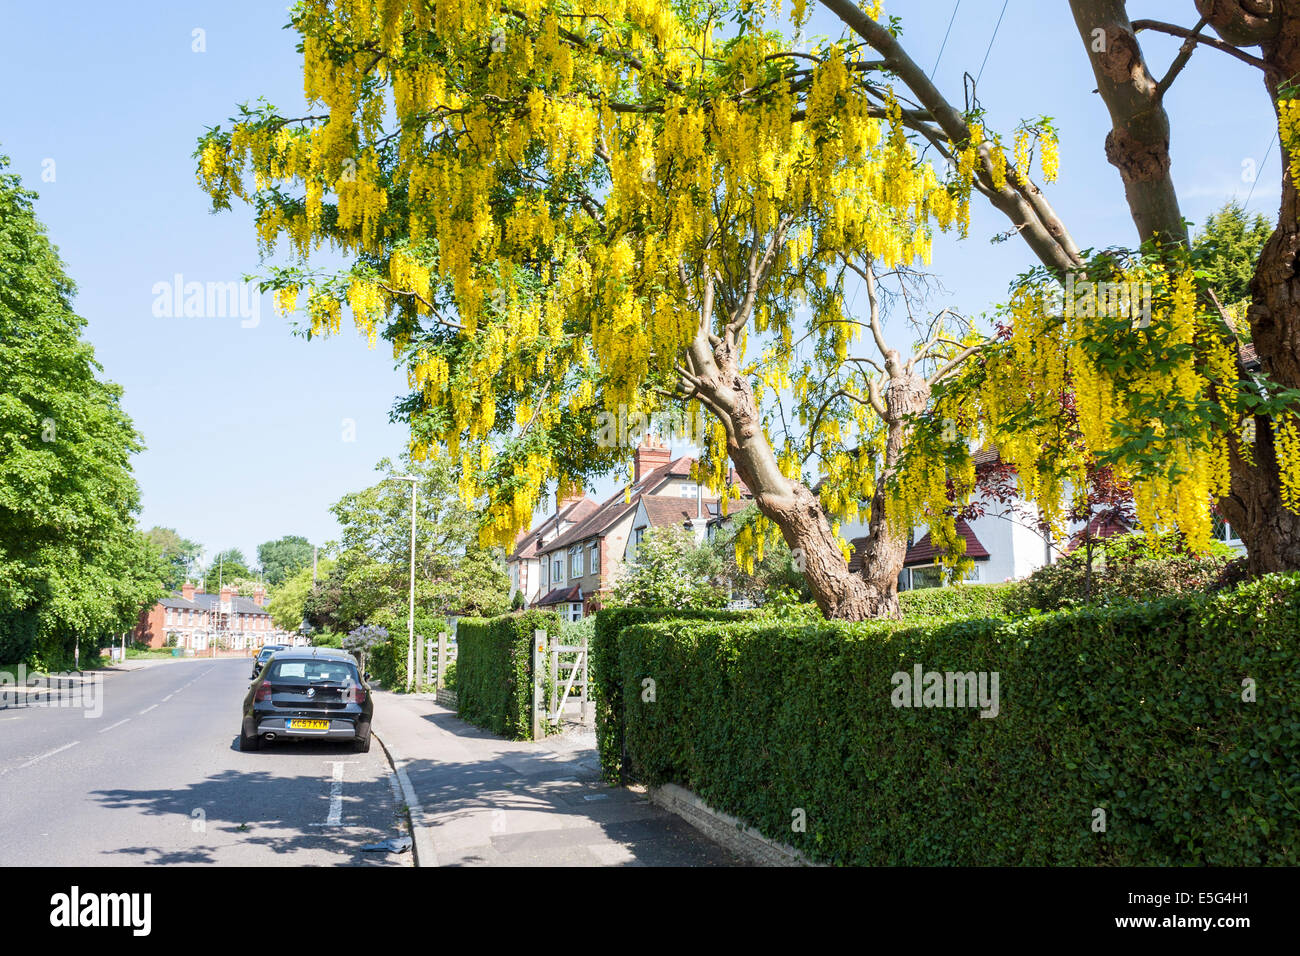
(557, 210)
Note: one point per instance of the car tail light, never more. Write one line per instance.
(263, 692)
(358, 694)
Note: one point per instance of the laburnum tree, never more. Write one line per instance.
(559, 209)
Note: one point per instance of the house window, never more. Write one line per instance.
(557, 569)
(575, 562)
(1223, 531)
(927, 576)
(687, 490)
(593, 558)
(575, 611)
(637, 535)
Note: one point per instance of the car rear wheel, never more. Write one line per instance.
(362, 744)
(249, 743)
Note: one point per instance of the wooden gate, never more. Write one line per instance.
(567, 667)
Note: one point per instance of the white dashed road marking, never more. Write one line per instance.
(56, 750)
(149, 708)
(118, 724)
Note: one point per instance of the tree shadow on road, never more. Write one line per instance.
(233, 817)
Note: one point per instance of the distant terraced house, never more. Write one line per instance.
(199, 620)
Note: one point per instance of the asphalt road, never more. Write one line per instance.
(147, 771)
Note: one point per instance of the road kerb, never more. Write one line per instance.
(421, 838)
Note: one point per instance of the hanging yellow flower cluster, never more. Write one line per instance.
(554, 185)
(1288, 122)
(1121, 372)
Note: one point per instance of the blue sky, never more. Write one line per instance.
(252, 432)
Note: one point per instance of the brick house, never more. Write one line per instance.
(198, 618)
(580, 555)
(524, 564)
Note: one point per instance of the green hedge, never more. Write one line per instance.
(1136, 710)
(387, 661)
(957, 601)
(606, 692)
(494, 670)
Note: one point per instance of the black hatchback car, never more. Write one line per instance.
(263, 655)
(309, 692)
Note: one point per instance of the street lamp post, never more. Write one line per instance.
(410, 616)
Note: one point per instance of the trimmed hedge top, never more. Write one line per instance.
(959, 600)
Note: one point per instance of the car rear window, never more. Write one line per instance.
(313, 671)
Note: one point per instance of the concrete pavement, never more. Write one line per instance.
(480, 800)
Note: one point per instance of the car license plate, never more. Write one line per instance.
(309, 725)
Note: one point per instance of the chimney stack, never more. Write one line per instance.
(226, 594)
(187, 591)
(259, 595)
(650, 454)
(572, 498)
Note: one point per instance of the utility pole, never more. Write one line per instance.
(410, 617)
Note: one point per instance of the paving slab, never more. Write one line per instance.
(486, 801)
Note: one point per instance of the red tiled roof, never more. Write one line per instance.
(855, 559)
(1103, 525)
(669, 510)
(563, 595)
(614, 509)
(1249, 357)
(924, 551)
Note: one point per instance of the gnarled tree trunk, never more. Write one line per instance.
(794, 508)
(1255, 509)
(1138, 146)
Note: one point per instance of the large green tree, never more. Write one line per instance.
(181, 555)
(284, 557)
(228, 567)
(1228, 246)
(453, 574)
(71, 559)
(287, 599)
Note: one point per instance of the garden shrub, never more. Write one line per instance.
(387, 659)
(494, 670)
(17, 636)
(1131, 567)
(1134, 709)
